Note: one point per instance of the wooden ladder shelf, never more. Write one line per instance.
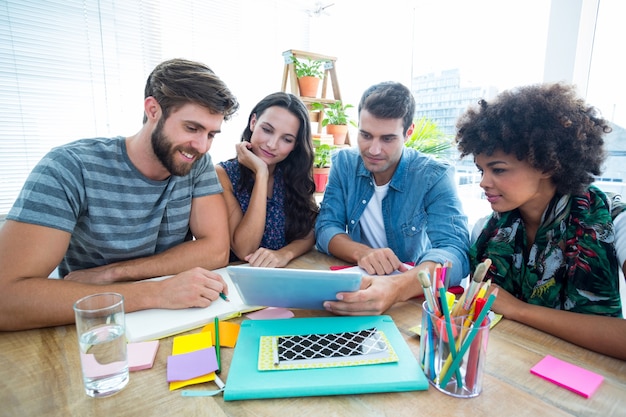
(330, 75)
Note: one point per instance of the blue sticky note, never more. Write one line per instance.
(191, 365)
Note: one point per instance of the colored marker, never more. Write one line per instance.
(472, 360)
(451, 346)
(428, 292)
(479, 275)
(465, 302)
(217, 345)
(470, 337)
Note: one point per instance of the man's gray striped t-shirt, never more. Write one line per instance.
(91, 189)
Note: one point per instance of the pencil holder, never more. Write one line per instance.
(453, 354)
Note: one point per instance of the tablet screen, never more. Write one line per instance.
(291, 288)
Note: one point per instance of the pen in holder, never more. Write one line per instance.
(455, 366)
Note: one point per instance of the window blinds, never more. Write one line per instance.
(71, 69)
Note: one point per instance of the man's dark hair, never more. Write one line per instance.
(176, 82)
(389, 100)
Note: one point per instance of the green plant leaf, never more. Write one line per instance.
(308, 68)
(322, 156)
(334, 113)
(428, 138)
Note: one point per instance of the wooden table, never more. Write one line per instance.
(40, 376)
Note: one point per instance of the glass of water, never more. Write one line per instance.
(100, 327)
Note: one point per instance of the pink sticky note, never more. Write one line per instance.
(94, 369)
(271, 313)
(141, 355)
(191, 365)
(564, 374)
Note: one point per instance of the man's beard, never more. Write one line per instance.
(166, 153)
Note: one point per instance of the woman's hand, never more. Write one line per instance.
(267, 258)
(247, 158)
(506, 304)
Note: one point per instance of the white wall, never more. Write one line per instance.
(249, 57)
(372, 43)
(118, 42)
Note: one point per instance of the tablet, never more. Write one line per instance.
(291, 288)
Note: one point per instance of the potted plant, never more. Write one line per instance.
(309, 74)
(335, 119)
(428, 138)
(321, 167)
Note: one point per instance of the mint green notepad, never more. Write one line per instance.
(245, 381)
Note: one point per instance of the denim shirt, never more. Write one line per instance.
(422, 212)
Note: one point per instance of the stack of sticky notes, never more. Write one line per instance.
(141, 355)
(228, 333)
(567, 375)
(194, 359)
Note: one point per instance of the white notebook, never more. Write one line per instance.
(158, 323)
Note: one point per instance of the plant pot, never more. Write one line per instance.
(320, 176)
(339, 133)
(308, 86)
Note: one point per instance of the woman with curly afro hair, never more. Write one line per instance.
(550, 237)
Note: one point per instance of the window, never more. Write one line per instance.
(483, 47)
(467, 50)
(75, 68)
(71, 69)
(606, 88)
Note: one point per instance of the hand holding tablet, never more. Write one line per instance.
(291, 288)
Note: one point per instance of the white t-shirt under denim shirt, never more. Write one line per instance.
(372, 223)
(422, 211)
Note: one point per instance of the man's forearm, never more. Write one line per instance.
(187, 255)
(20, 310)
(408, 285)
(346, 249)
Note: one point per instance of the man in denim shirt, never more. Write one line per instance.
(386, 204)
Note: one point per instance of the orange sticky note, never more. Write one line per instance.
(228, 333)
(190, 343)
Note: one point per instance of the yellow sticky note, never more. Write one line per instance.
(190, 343)
(228, 333)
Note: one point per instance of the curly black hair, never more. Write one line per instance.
(547, 125)
(300, 206)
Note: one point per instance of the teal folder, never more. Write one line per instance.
(246, 382)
